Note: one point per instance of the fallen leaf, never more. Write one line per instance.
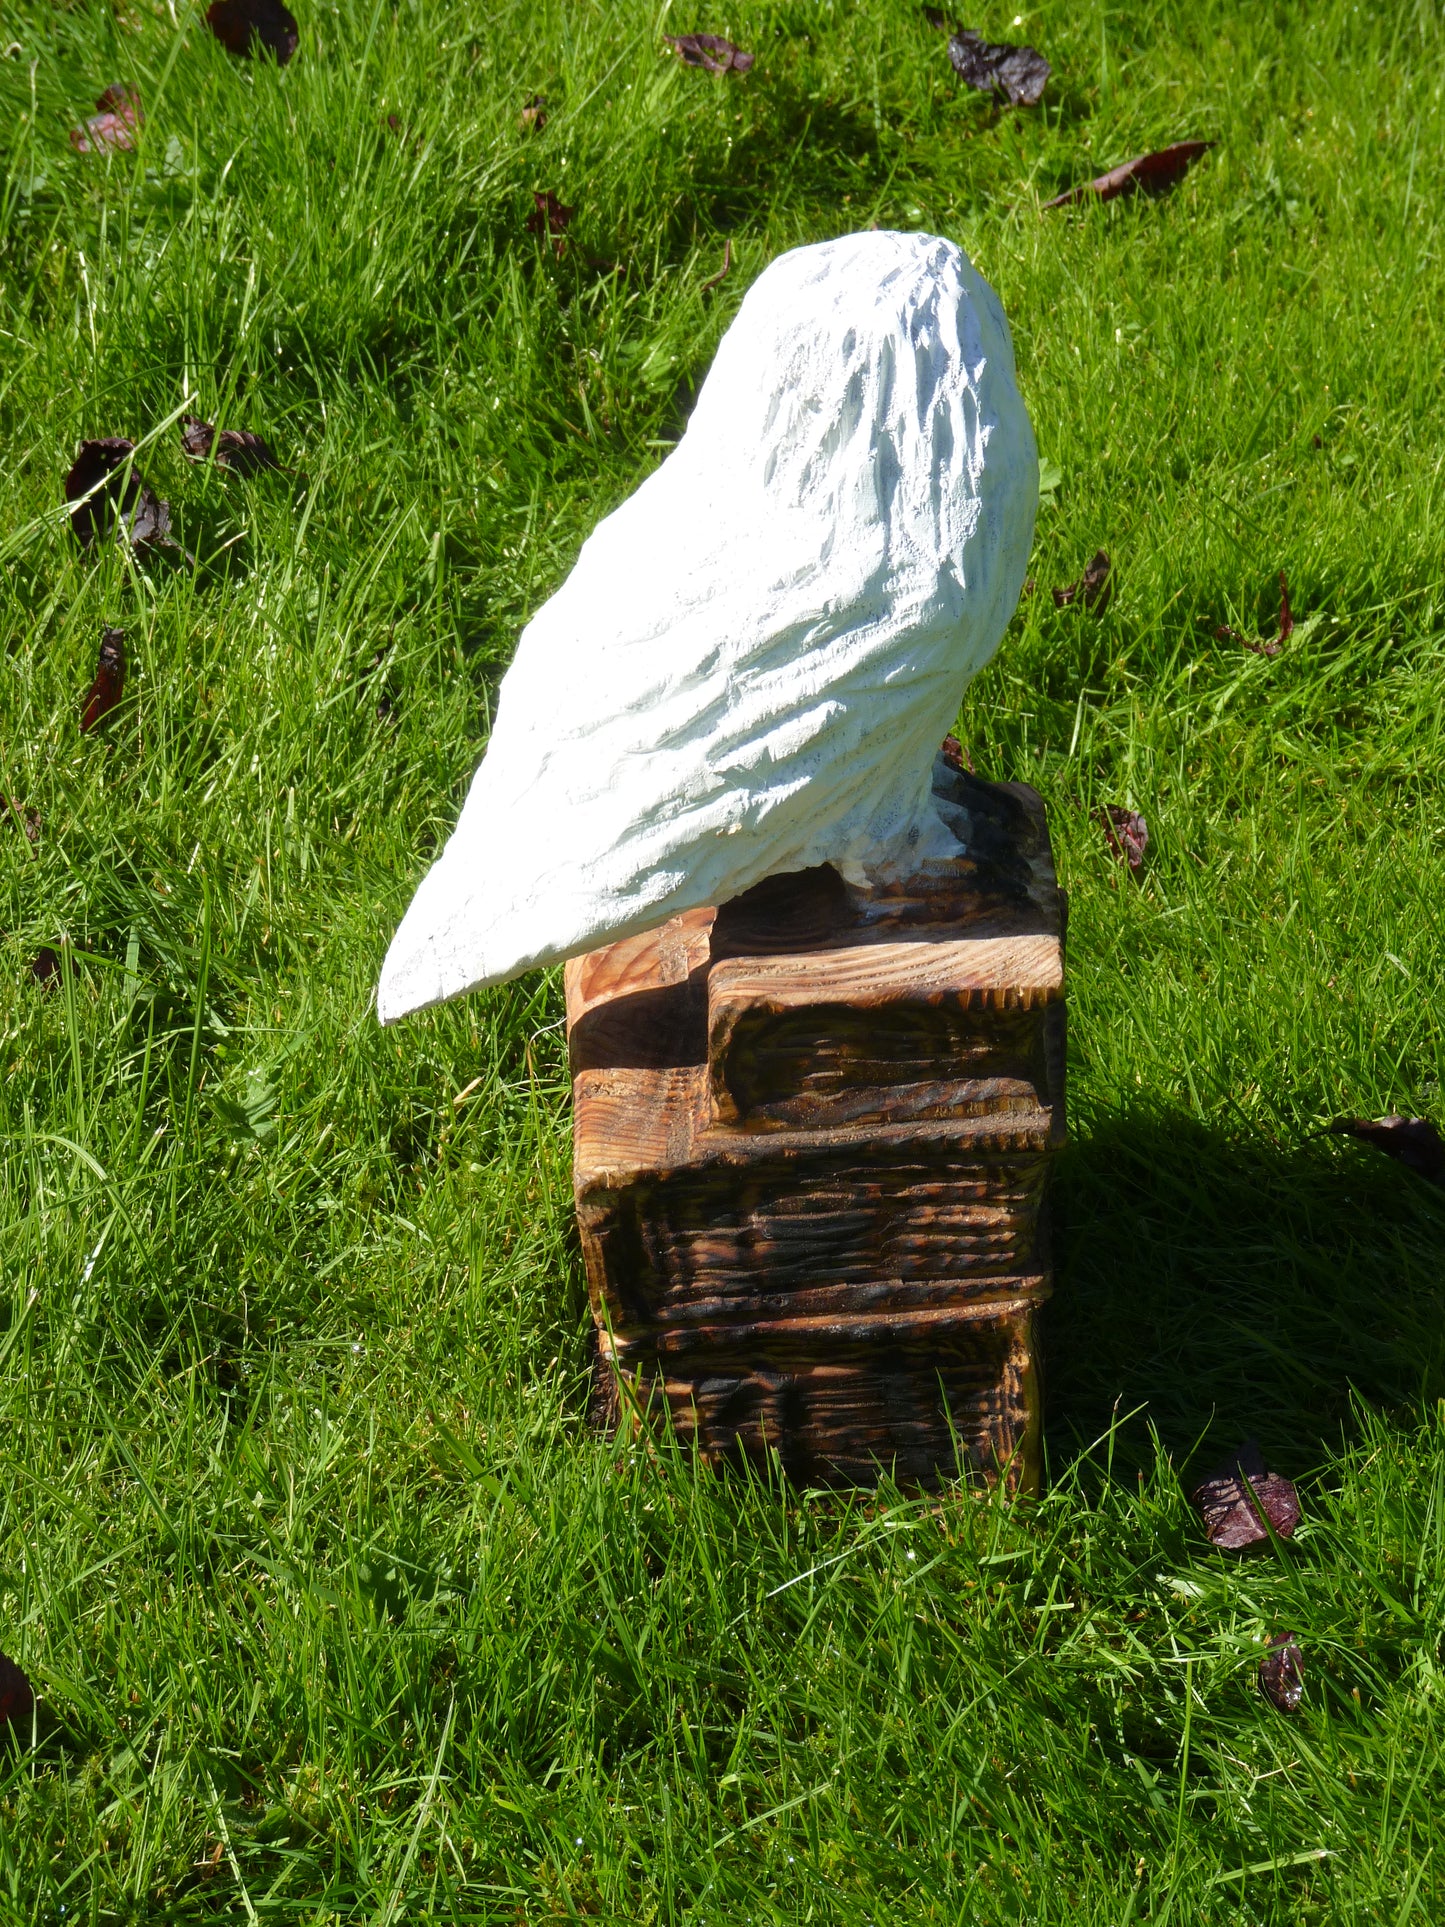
(112, 126)
(151, 522)
(243, 25)
(550, 217)
(17, 1695)
(997, 67)
(1127, 834)
(1282, 1672)
(29, 820)
(1272, 645)
(1092, 587)
(722, 273)
(44, 968)
(105, 692)
(1411, 1141)
(711, 51)
(533, 117)
(938, 21)
(1225, 634)
(1286, 615)
(1153, 172)
(103, 486)
(209, 1863)
(1237, 1497)
(234, 448)
(955, 755)
(98, 488)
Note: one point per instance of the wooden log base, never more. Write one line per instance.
(812, 1132)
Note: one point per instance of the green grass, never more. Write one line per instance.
(336, 1609)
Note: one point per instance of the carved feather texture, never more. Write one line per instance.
(754, 660)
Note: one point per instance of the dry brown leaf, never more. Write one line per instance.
(1151, 172)
(1237, 1497)
(109, 685)
(550, 218)
(1093, 587)
(234, 448)
(245, 26)
(106, 493)
(1016, 73)
(711, 51)
(1126, 833)
(1282, 1672)
(1411, 1141)
(714, 279)
(17, 1695)
(28, 820)
(112, 126)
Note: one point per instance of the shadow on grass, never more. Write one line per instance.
(1233, 1287)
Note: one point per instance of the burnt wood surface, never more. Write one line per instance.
(812, 1132)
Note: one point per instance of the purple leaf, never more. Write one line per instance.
(1126, 833)
(17, 1695)
(234, 448)
(45, 969)
(1269, 647)
(1153, 172)
(550, 218)
(112, 125)
(151, 521)
(1413, 1141)
(1282, 1672)
(1236, 1498)
(1225, 634)
(102, 489)
(711, 51)
(106, 691)
(242, 26)
(1092, 588)
(1018, 73)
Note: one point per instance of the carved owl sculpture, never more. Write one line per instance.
(754, 660)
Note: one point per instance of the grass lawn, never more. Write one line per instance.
(335, 1609)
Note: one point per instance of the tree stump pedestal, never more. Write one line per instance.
(812, 1136)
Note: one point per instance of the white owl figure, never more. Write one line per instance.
(754, 661)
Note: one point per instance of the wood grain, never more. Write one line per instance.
(811, 1147)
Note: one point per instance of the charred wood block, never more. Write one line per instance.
(812, 1138)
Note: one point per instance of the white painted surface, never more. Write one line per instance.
(755, 658)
